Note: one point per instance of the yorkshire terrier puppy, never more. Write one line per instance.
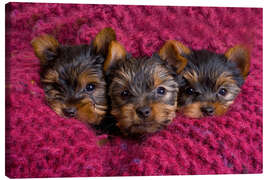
(209, 82)
(72, 76)
(143, 91)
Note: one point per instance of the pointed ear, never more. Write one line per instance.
(173, 52)
(240, 55)
(45, 47)
(103, 39)
(116, 52)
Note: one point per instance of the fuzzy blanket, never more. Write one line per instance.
(41, 144)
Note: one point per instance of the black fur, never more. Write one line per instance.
(138, 77)
(69, 63)
(142, 70)
(208, 66)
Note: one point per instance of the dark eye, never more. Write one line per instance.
(125, 93)
(222, 91)
(90, 87)
(161, 90)
(190, 91)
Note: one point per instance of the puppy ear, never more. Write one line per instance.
(45, 48)
(116, 52)
(103, 39)
(173, 52)
(240, 55)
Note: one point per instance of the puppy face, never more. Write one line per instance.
(72, 76)
(210, 82)
(143, 92)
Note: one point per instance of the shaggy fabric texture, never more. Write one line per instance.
(41, 144)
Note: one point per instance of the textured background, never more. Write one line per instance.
(41, 144)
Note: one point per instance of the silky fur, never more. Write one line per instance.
(141, 77)
(207, 73)
(66, 71)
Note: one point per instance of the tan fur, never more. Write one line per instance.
(123, 78)
(56, 106)
(157, 79)
(87, 77)
(89, 113)
(162, 114)
(50, 77)
(173, 51)
(224, 78)
(116, 52)
(103, 39)
(191, 76)
(42, 43)
(220, 108)
(126, 116)
(241, 56)
(90, 106)
(86, 110)
(193, 110)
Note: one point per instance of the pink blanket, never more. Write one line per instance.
(41, 144)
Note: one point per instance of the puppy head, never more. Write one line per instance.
(72, 76)
(143, 91)
(210, 82)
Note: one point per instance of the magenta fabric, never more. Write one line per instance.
(41, 144)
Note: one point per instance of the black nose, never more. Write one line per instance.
(208, 110)
(143, 112)
(70, 111)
